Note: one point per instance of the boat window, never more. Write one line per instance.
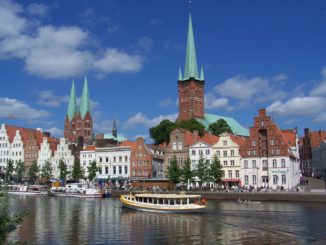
(178, 202)
(150, 200)
(160, 201)
(172, 202)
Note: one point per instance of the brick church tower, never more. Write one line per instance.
(191, 87)
(78, 123)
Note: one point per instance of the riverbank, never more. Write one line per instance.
(255, 196)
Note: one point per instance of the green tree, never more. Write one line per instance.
(7, 222)
(202, 171)
(92, 170)
(216, 171)
(220, 126)
(77, 171)
(33, 172)
(186, 172)
(20, 170)
(63, 169)
(46, 171)
(192, 125)
(161, 132)
(9, 169)
(173, 171)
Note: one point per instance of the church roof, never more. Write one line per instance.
(84, 101)
(72, 106)
(236, 127)
(119, 138)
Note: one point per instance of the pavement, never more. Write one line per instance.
(313, 184)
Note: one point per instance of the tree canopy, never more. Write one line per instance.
(161, 132)
(173, 171)
(46, 171)
(203, 171)
(9, 170)
(186, 173)
(216, 171)
(63, 169)
(92, 171)
(20, 170)
(220, 126)
(33, 172)
(77, 171)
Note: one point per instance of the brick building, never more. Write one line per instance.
(78, 126)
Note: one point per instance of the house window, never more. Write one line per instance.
(100, 159)
(248, 152)
(253, 163)
(200, 152)
(139, 163)
(254, 152)
(278, 152)
(100, 170)
(126, 158)
(232, 152)
(193, 152)
(126, 169)
(274, 163)
(114, 170)
(283, 163)
(207, 152)
(254, 179)
(237, 174)
(218, 153)
(246, 180)
(120, 159)
(232, 162)
(107, 159)
(106, 170)
(273, 153)
(225, 142)
(253, 143)
(265, 165)
(225, 153)
(272, 142)
(275, 179)
(174, 147)
(120, 170)
(114, 159)
(245, 163)
(283, 179)
(225, 163)
(179, 145)
(230, 174)
(262, 123)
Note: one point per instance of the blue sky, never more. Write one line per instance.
(255, 54)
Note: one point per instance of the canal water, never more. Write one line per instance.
(60, 220)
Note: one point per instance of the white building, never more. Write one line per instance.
(113, 162)
(63, 152)
(44, 154)
(227, 151)
(198, 150)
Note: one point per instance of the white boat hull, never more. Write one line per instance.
(99, 195)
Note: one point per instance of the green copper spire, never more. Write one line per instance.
(180, 75)
(72, 106)
(84, 101)
(191, 69)
(202, 78)
(114, 130)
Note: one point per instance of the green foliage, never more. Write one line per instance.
(161, 133)
(192, 125)
(203, 171)
(77, 171)
(7, 222)
(63, 169)
(219, 127)
(46, 171)
(92, 171)
(186, 173)
(174, 172)
(9, 169)
(20, 170)
(216, 171)
(33, 172)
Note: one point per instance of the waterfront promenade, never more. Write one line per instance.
(313, 192)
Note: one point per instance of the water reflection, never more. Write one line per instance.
(59, 220)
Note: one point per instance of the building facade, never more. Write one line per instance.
(78, 126)
(270, 157)
(319, 161)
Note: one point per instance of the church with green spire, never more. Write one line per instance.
(78, 128)
(191, 91)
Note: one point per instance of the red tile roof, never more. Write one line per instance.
(90, 148)
(316, 138)
(129, 143)
(209, 138)
(289, 136)
(240, 140)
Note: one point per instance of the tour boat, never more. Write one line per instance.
(164, 203)
(76, 190)
(26, 189)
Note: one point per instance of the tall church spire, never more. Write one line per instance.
(191, 69)
(84, 102)
(114, 130)
(72, 106)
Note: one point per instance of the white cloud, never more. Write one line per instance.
(48, 98)
(211, 102)
(141, 119)
(242, 88)
(37, 9)
(59, 52)
(298, 106)
(55, 131)
(115, 60)
(320, 89)
(18, 109)
(280, 77)
(166, 102)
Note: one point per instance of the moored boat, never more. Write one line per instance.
(76, 190)
(164, 203)
(26, 189)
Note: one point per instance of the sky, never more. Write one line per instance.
(255, 54)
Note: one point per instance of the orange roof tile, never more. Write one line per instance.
(290, 136)
(90, 148)
(129, 143)
(316, 138)
(209, 138)
(240, 140)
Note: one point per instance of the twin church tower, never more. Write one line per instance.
(79, 124)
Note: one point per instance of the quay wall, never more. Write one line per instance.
(253, 196)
